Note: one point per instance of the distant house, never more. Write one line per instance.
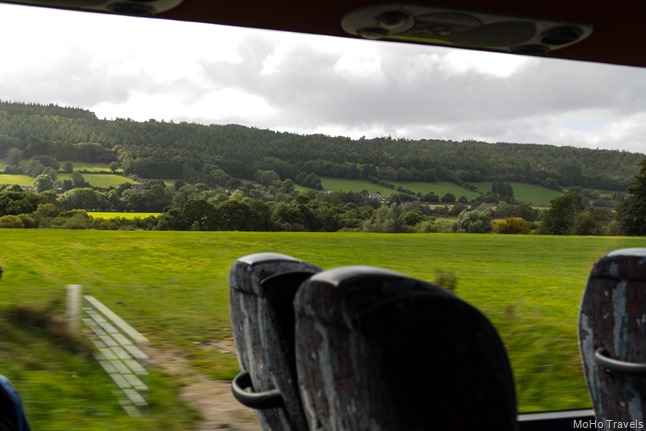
(376, 196)
(138, 188)
(27, 188)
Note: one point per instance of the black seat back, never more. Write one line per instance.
(376, 350)
(612, 335)
(262, 289)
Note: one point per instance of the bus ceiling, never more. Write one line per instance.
(601, 32)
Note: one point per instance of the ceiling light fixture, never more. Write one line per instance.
(440, 26)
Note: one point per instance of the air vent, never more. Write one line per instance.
(439, 26)
(123, 7)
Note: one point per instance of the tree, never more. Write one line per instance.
(36, 146)
(266, 177)
(560, 218)
(502, 191)
(631, 213)
(49, 161)
(430, 197)
(43, 182)
(448, 198)
(201, 215)
(83, 198)
(386, 219)
(113, 166)
(312, 181)
(14, 157)
(220, 178)
(14, 202)
(588, 222)
(525, 212)
(235, 215)
(78, 180)
(35, 168)
(476, 221)
(173, 219)
(7, 142)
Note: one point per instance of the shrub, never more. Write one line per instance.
(28, 221)
(511, 225)
(447, 280)
(11, 221)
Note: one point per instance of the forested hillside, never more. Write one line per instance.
(229, 177)
(213, 154)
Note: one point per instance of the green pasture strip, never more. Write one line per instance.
(523, 192)
(172, 286)
(90, 167)
(440, 188)
(21, 180)
(350, 185)
(526, 193)
(126, 215)
(101, 180)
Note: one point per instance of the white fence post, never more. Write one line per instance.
(73, 307)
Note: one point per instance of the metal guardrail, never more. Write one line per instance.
(118, 353)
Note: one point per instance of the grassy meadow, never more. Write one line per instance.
(21, 180)
(523, 192)
(96, 180)
(172, 286)
(101, 180)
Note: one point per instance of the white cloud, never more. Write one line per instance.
(360, 64)
(486, 63)
(230, 105)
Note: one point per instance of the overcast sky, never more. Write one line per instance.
(143, 68)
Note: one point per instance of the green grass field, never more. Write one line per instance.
(440, 188)
(172, 286)
(527, 193)
(91, 167)
(347, 185)
(96, 180)
(21, 180)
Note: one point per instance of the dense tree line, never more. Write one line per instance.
(278, 206)
(193, 153)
